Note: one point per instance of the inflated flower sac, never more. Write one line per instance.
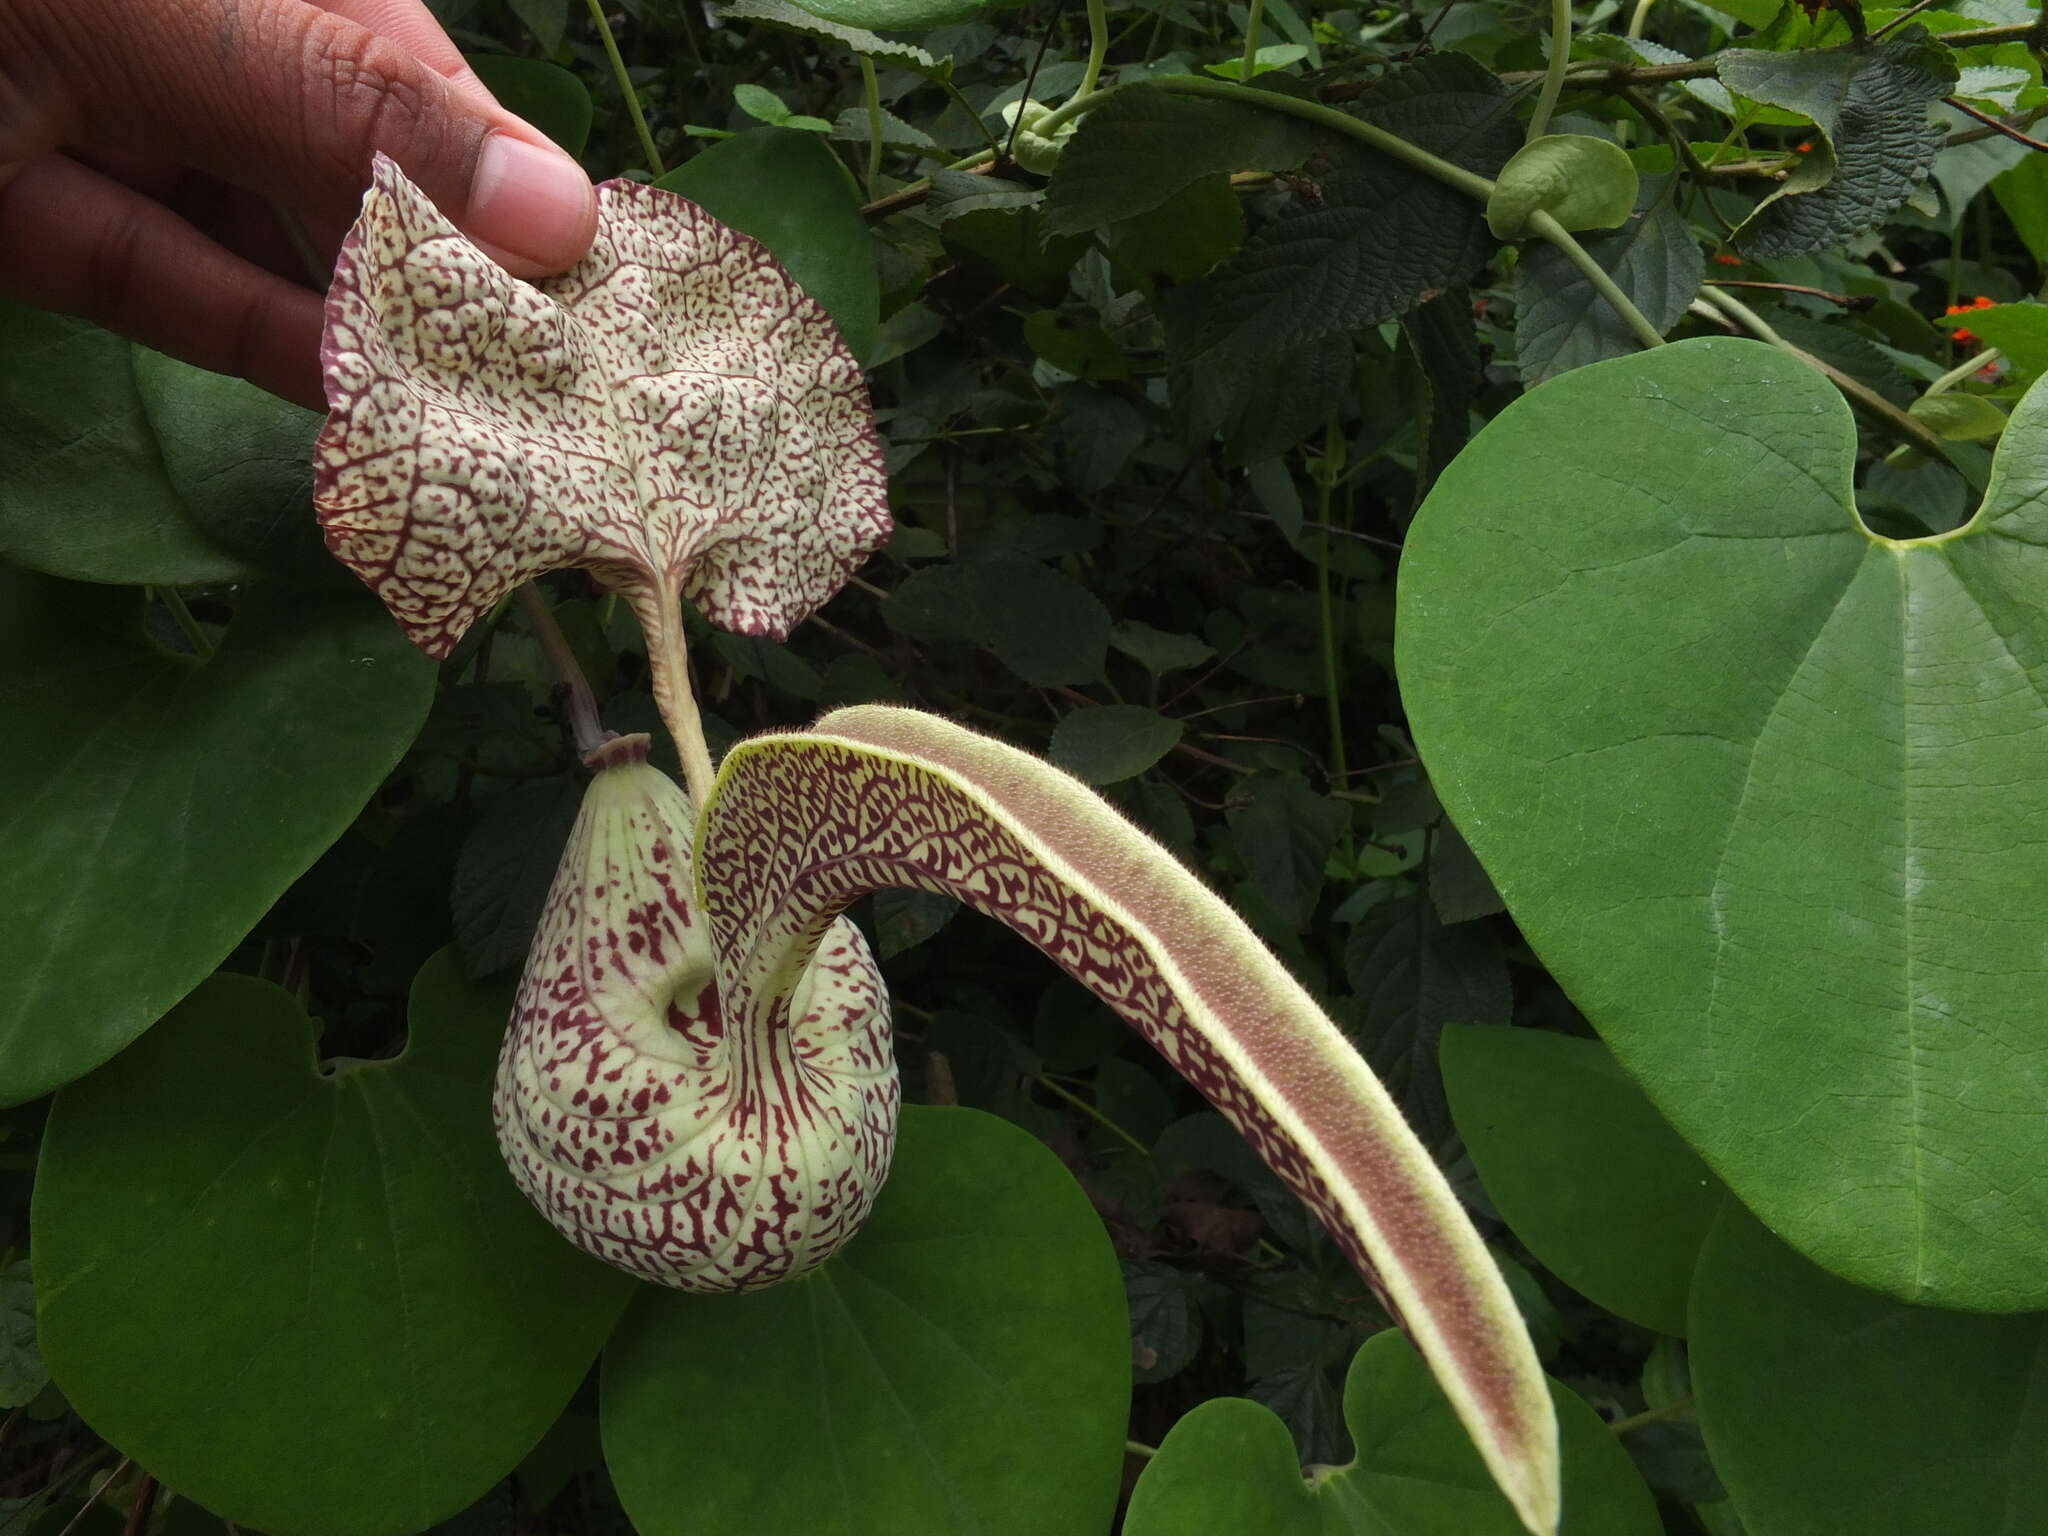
(698, 1084)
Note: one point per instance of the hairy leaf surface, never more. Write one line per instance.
(1871, 105)
(1379, 236)
(1561, 320)
(1144, 145)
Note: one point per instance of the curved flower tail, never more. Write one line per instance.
(802, 824)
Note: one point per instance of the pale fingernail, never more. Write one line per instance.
(531, 201)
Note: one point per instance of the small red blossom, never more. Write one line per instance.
(1728, 258)
(1969, 338)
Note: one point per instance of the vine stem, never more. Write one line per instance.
(611, 51)
(174, 603)
(1603, 283)
(1456, 177)
(1098, 48)
(872, 90)
(585, 726)
(1962, 371)
(1092, 1113)
(1716, 303)
(1251, 39)
(1554, 68)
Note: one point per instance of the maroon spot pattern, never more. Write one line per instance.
(703, 1142)
(673, 414)
(845, 822)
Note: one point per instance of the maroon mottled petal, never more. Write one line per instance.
(673, 413)
(701, 1143)
(801, 825)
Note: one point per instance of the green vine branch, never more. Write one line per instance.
(1554, 70)
(619, 73)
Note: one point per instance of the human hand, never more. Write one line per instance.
(152, 150)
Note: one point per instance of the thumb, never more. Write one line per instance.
(293, 100)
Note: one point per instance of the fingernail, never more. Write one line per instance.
(531, 201)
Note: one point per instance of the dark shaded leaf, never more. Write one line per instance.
(1870, 103)
(1143, 146)
(1382, 237)
(507, 862)
(1562, 322)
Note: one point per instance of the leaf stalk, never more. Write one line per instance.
(618, 63)
(871, 90)
(1098, 46)
(586, 728)
(1553, 73)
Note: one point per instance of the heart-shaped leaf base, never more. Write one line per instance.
(962, 1365)
(1768, 793)
(309, 1299)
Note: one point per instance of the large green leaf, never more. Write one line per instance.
(83, 491)
(1763, 789)
(1228, 1468)
(1831, 1411)
(308, 1296)
(963, 1365)
(153, 806)
(1586, 1172)
(787, 190)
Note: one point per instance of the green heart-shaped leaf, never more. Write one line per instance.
(308, 1297)
(1228, 1468)
(153, 806)
(1831, 1411)
(963, 1365)
(1764, 791)
(1587, 1173)
(1580, 181)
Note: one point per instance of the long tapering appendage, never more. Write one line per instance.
(653, 1128)
(800, 825)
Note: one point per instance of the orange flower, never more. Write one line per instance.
(1727, 258)
(1969, 338)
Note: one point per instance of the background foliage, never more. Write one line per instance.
(1160, 396)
